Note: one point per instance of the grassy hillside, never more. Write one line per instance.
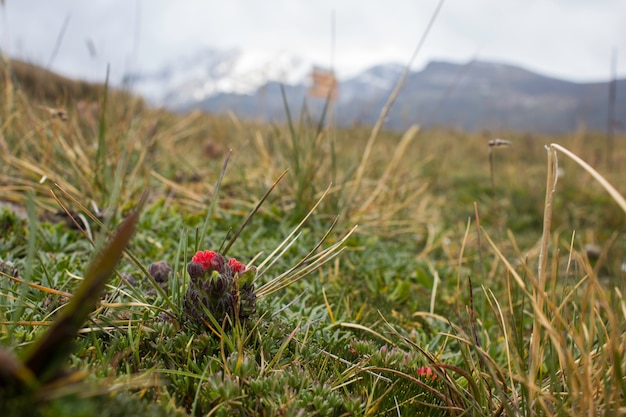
(427, 307)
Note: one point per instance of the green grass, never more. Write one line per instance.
(441, 272)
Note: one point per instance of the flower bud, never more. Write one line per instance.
(217, 287)
(196, 271)
(160, 271)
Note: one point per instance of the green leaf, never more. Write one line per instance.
(47, 355)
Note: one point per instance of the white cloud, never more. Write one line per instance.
(566, 38)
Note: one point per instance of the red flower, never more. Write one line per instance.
(426, 372)
(209, 260)
(204, 258)
(236, 266)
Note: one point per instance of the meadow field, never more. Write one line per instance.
(378, 273)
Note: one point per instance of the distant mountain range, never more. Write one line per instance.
(472, 96)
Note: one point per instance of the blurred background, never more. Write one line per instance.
(487, 64)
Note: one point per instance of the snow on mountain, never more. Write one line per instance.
(381, 76)
(211, 72)
(370, 82)
(470, 96)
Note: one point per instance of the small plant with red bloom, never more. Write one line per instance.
(218, 287)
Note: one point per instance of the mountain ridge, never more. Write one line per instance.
(471, 96)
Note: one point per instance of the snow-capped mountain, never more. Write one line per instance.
(372, 81)
(470, 96)
(210, 72)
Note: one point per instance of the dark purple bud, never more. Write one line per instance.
(195, 270)
(218, 262)
(160, 271)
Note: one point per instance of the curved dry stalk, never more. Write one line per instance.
(387, 107)
(285, 241)
(249, 217)
(603, 182)
(399, 152)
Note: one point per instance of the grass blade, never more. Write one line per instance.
(209, 214)
(47, 355)
(249, 217)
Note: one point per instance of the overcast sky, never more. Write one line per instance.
(571, 39)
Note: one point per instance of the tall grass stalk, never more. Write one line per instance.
(21, 301)
(535, 354)
(209, 214)
(102, 176)
(574, 359)
(358, 178)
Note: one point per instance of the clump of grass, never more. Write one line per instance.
(560, 328)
